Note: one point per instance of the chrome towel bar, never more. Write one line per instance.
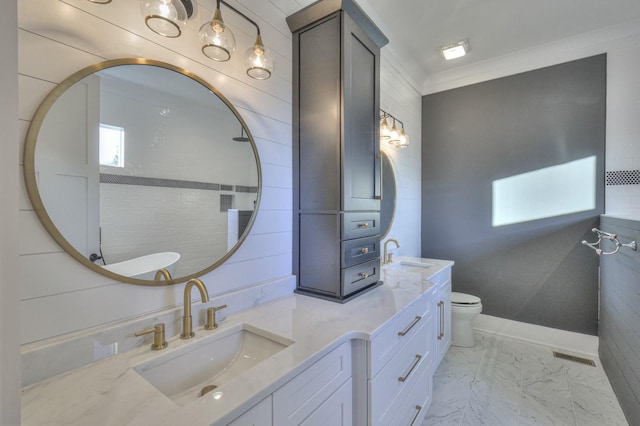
(608, 236)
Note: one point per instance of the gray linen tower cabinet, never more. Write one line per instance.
(336, 150)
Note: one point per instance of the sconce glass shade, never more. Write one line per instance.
(403, 140)
(385, 130)
(259, 61)
(394, 135)
(164, 17)
(218, 42)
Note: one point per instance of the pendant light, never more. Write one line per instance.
(258, 60)
(218, 42)
(394, 134)
(166, 17)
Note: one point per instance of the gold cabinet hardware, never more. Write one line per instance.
(378, 197)
(413, 366)
(364, 275)
(364, 250)
(418, 409)
(158, 336)
(363, 225)
(211, 317)
(410, 326)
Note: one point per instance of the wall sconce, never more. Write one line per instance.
(168, 17)
(218, 43)
(391, 134)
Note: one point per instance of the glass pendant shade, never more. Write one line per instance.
(385, 129)
(394, 135)
(403, 139)
(164, 17)
(259, 61)
(218, 42)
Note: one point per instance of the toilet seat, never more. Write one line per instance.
(462, 299)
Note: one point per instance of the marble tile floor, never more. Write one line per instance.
(507, 382)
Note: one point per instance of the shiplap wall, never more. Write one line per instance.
(399, 97)
(9, 279)
(58, 38)
(619, 315)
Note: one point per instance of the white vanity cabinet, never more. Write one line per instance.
(442, 311)
(400, 369)
(259, 415)
(320, 395)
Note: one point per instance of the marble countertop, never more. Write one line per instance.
(110, 392)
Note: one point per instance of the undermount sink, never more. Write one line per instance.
(198, 368)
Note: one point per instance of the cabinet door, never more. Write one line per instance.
(258, 415)
(335, 411)
(361, 148)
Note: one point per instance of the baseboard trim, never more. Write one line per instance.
(578, 343)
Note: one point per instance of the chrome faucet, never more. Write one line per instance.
(187, 329)
(388, 257)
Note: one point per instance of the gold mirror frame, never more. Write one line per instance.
(38, 205)
(386, 157)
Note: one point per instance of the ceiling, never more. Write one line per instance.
(495, 28)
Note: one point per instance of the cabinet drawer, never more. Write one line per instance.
(360, 250)
(360, 224)
(414, 402)
(402, 372)
(397, 333)
(360, 276)
(300, 396)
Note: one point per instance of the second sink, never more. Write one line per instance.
(200, 367)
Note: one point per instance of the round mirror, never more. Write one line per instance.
(142, 171)
(388, 202)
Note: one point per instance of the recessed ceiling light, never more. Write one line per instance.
(456, 50)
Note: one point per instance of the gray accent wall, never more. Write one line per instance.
(535, 271)
(619, 334)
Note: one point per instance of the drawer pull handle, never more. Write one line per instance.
(439, 321)
(441, 331)
(406, 330)
(415, 363)
(364, 250)
(418, 409)
(364, 275)
(363, 225)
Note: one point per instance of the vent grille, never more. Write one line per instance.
(568, 357)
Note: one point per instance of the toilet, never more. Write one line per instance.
(464, 308)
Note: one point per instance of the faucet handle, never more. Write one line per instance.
(211, 317)
(158, 336)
